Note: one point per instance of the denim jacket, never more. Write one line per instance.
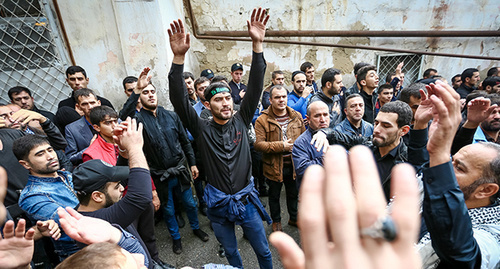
(40, 199)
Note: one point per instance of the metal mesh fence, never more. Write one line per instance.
(386, 64)
(30, 52)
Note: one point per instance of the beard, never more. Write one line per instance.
(149, 106)
(219, 115)
(380, 143)
(47, 169)
(491, 126)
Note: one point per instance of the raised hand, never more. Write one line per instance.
(342, 198)
(143, 80)
(179, 40)
(257, 28)
(478, 110)
(16, 247)
(423, 114)
(446, 118)
(87, 230)
(128, 134)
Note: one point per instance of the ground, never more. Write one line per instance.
(197, 253)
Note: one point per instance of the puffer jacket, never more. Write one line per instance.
(270, 140)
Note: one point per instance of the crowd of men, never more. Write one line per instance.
(91, 175)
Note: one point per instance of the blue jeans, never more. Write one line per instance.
(169, 210)
(254, 230)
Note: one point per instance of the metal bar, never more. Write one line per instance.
(197, 33)
(325, 33)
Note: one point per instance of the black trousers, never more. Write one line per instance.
(291, 195)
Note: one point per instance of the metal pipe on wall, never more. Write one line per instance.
(238, 36)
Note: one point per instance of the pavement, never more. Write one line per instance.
(197, 253)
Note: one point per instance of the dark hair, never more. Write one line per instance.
(98, 255)
(306, 65)
(276, 72)
(491, 81)
(129, 79)
(75, 69)
(492, 72)
(363, 71)
(186, 75)
(412, 90)
(351, 96)
(494, 98)
(329, 76)
(428, 71)
(23, 145)
(388, 78)
(83, 92)
(215, 85)
(84, 197)
(358, 66)
(296, 73)
(403, 110)
(219, 78)
(385, 86)
(455, 77)
(200, 80)
(473, 95)
(17, 90)
(99, 113)
(468, 73)
(276, 87)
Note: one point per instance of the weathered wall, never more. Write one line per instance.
(115, 38)
(350, 15)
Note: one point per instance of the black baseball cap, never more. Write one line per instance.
(207, 73)
(236, 66)
(92, 175)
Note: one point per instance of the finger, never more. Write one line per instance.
(181, 26)
(368, 188)
(169, 33)
(133, 125)
(312, 220)
(291, 255)
(140, 127)
(57, 234)
(405, 208)
(265, 21)
(8, 229)
(262, 14)
(176, 27)
(188, 38)
(21, 226)
(30, 234)
(339, 200)
(252, 17)
(423, 95)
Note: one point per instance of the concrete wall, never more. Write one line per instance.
(115, 38)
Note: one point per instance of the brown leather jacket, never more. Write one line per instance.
(270, 140)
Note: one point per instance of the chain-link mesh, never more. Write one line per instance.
(387, 64)
(28, 53)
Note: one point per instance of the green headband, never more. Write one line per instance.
(215, 91)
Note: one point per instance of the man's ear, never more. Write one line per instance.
(486, 191)
(363, 82)
(99, 102)
(345, 110)
(404, 130)
(97, 197)
(328, 84)
(97, 127)
(25, 164)
(207, 105)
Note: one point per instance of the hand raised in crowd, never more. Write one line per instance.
(399, 68)
(16, 246)
(478, 110)
(180, 41)
(424, 111)
(143, 80)
(446, 119)
(257, 25)
(342, 198)
(87, 230)
(128, 134)
(48, 228)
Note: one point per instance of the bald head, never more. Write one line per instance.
(318, 115)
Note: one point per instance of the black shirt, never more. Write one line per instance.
(224, 149)
(370, 101)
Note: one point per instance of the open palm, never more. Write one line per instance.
(257, 24)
